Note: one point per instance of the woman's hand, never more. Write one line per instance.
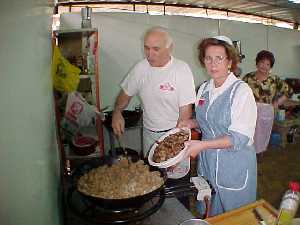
(194, 147)
(282, 100)
(279, 101)
(190, 123)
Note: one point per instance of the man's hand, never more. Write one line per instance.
(118, 123)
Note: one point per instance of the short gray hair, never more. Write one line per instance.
(158, 29)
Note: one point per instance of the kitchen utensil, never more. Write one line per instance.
(258, 217)
(121, 143)
(118, 152)
(136, 201)
(194, 222)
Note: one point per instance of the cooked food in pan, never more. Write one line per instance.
(122, 180)
(170, 146)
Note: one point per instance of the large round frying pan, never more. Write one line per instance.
(116, 203)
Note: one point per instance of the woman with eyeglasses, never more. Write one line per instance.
(226, 115)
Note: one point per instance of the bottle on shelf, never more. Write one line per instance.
(289, 204)
(90, 63)
(84, 70)
(88, 57)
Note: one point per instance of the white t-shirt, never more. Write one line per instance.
(243, 111)
(162, 91)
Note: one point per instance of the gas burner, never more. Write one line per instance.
(95, 214)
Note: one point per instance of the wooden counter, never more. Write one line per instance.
(245, 216)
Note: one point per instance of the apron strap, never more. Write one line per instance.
(235, 85)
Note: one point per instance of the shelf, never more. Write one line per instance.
(72, 31)
(75, 45)
(71, 155)
(84, 76)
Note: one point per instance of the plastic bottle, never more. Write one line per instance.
(289, 204)
(90, 63)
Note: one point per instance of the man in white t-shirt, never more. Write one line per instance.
(165, 86)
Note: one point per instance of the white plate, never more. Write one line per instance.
(179, 170)
(172, 161)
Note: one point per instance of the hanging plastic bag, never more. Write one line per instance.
(79, 111)
(65, 75)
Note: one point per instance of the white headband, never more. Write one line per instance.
(225, 39)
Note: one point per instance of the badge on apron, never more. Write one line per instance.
(201, 102)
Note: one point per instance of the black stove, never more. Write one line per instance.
(92, 213)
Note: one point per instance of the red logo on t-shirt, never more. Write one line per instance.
(166, 87)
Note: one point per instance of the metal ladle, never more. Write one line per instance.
(122, 145)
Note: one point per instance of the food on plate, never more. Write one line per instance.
(122, 180)
(170, 146)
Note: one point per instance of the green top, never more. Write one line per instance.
(268, 90)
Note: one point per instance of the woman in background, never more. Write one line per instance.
(267, 87)
(269, 92)
(226, 116)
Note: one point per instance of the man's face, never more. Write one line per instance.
(155, 50)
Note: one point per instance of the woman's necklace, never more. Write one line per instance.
(262, 78)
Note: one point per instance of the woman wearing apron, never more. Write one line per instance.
(269, 91)
(226, 116)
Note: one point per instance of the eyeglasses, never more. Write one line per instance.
(217, 59)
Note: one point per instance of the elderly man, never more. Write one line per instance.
(164, 84)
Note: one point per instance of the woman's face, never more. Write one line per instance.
(264, 66)
(216, 62)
